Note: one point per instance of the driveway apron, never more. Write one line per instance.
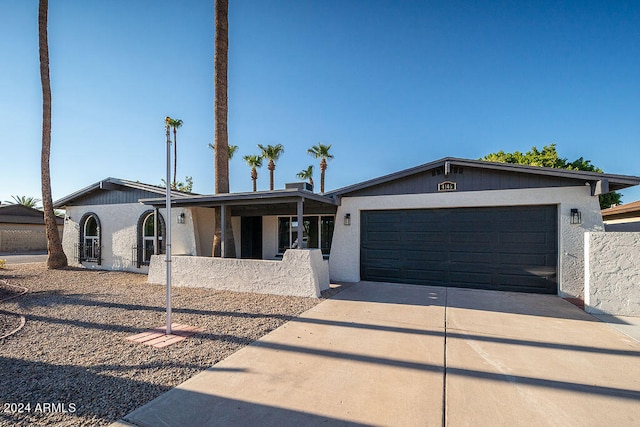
(521, 359)
(371, 355)
(393, 355)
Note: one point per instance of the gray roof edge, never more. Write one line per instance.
(623, 180)
(257, 195)
(123, 182)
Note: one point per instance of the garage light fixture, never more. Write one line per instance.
(347, 219)
(181, 218)
(576, 216)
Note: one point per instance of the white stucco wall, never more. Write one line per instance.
(269, 237)
(118, 224)
(344, 262)
(302, 272)
(612, 273)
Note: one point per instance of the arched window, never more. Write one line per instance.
(90, 238)
(147, 237)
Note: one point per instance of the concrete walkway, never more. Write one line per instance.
(402, 355)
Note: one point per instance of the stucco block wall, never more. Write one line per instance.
(612, 273)
(344, 263)
(24, 237)
(302, 272)
(118, 224)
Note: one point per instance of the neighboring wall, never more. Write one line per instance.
(612, 273)
(24, 237)
(118, 224)
(344, 262)
(302, 272)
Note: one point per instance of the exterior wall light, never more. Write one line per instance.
(347, 219)
(181, 218)
(576, 216)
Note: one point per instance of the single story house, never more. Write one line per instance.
(451, 222)
(622, 218)
(22, 229)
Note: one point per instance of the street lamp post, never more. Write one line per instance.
(168, 226)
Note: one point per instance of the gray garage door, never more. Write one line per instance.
(503, 248)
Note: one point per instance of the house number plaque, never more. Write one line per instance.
(447, 186)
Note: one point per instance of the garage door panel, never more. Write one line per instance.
(383, 255)
(504, 248)
(524, 237)
(524, 259)
(425, 256)
(471, 237)
(475, 257)
(426, 237)
(383, 274)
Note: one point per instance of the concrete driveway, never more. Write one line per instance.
(403, 355)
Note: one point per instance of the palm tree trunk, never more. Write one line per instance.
(221, 142)
(272, 167)
(323, 167)
(254, 178)
(56, 257)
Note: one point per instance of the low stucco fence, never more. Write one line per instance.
(612, 273)
(302, 272)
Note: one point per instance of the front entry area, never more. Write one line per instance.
(251, 237)
(512, 248)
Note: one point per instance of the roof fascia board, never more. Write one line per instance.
(115, 184)
(243, 199)
(590, 177)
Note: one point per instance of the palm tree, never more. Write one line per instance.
(273, 153)
(306, 174)
(232, 149)
(30, 202)
(254, 162)
(221, 107)
(321, 151)
(175, 124)
(56, 257)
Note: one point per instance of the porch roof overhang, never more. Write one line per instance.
(276, 202)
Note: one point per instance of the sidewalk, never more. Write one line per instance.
(376, 355)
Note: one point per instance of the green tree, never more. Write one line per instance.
(30, 202)
(221, 110)
(56, 257)
(185, 187)
(254, 162)
(321, 151)
(306, 174)
(548, 157)
(273, 153)
(175, 124)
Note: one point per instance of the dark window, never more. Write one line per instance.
(318, 232)
(89, 246)
(146, 237)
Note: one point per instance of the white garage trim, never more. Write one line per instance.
(345, 254)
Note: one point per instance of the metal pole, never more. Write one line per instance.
(168, 227)
(223, 231)
(301, 223)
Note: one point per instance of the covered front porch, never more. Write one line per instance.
(282, 242)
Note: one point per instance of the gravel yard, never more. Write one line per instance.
(71, 365)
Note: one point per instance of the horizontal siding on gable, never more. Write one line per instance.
(471, 179)
(113, 197)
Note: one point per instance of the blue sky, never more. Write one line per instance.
(390, 84)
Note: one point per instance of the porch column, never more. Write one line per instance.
(223, 231)
(156, 240)
(301, 223)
